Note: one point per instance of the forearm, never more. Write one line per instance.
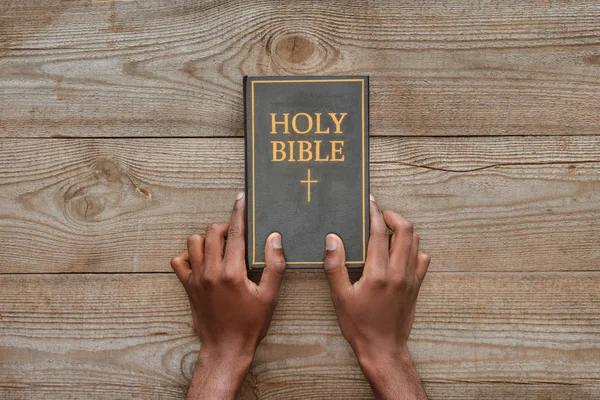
(394, 377)
(218, 378)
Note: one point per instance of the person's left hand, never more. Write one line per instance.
(231, 313)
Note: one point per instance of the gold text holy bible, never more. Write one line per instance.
(307, 166)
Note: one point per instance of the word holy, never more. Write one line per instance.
(307, 150)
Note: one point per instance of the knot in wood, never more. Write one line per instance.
(104, 194)
(300, 52)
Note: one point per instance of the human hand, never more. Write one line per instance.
(231, 313)
(376, 313)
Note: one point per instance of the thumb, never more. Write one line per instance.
(335, 265)
(274, 267)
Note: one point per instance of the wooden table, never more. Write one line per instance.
(121, 133)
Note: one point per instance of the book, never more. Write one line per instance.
(307, 166)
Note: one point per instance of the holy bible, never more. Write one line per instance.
(307, 166)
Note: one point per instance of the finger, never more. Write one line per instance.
(181, 266)
(414, 251)
(377, 250)
(423, 261)
(195, 245)
(236, 245)
(335, 266)
(213, 246)
(402, 237)
(274, 267)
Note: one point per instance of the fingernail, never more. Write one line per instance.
(330, 243)
(276, 241)
(372, 198)
(240, 196)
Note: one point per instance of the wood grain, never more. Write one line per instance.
(479, 204)
(502, 335)
(486, 119)
(174, 68)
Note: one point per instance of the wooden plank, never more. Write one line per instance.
(480, 204)
(174, 68)
(476, 335)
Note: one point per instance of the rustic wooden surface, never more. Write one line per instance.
(480, 204)
(174, 67)
(121, 134)
(118, 335)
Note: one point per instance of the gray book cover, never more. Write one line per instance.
(307, 166)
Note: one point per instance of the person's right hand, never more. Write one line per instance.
(376, 314)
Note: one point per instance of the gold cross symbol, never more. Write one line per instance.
(308, 181)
